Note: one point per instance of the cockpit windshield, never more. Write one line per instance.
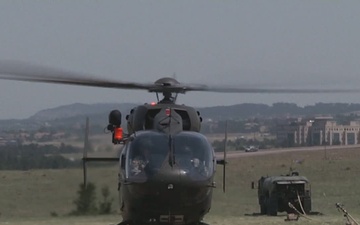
(150, 151)
(193, 154)
(146, 155)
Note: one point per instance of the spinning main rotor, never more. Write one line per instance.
(20, 71)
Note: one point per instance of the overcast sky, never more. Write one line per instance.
(305, 43)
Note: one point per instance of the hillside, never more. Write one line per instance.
(280, 109)
(79, 109)
(68, 115)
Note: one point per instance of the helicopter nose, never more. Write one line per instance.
(170, 174)
(171, 187)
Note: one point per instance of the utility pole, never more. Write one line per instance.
(324, 143)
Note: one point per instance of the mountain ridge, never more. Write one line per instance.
(77, 109)
(68, 115)
(242, 110)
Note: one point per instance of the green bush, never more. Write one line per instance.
(86, 200)
(105, 207)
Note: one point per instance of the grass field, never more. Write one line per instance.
(211, 219)
(35, 196)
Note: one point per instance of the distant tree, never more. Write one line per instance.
(218, 145)
(24, 157)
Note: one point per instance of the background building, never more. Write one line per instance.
(317, 131)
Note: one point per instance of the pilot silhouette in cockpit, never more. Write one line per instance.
(140, 161)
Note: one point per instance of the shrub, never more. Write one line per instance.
(86, 200)
(105, 207)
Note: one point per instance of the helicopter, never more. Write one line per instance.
(166, 166)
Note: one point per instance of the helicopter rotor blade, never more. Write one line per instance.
(255, 90)
(20, 71)
(13, 70)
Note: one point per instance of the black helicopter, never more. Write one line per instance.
(166, 165)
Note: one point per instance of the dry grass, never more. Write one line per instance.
(29, 197)
(211, 219)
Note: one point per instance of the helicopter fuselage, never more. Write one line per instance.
(166, 178)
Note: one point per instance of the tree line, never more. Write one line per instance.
(33, 156)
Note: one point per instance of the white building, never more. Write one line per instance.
(319, 131)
